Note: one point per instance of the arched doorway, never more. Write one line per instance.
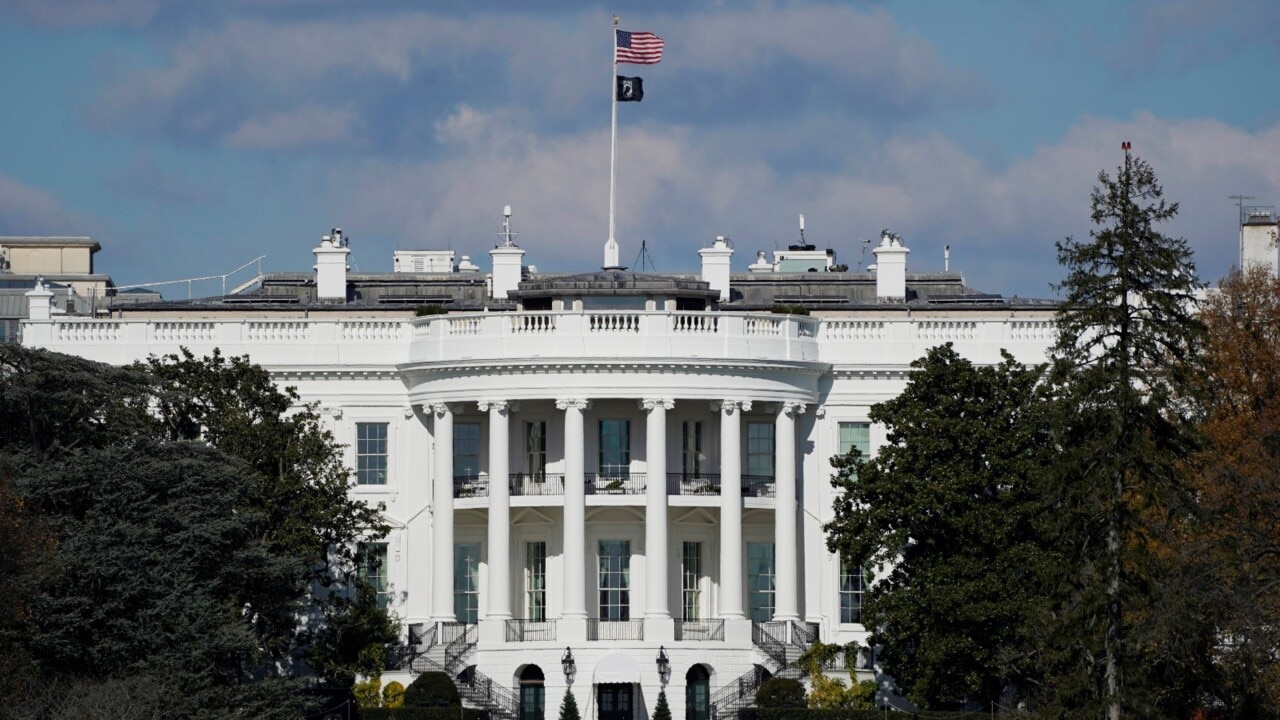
(532, 693)
(697, 693)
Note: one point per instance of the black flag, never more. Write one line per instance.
(630, 89)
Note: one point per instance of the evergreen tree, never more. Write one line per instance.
(1124, 363)
(569, 707)
(948, 508)
(661, 711)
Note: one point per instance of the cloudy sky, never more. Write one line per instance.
(190, 137)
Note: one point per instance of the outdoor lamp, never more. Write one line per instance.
(567, 662)
(664, 662)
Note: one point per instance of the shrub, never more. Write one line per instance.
(432, 689)
(569, 707)
(393, 695)
(431, 310)
(661, 711)
(422, 713)
(789, 309)
(367, 692)
(780, 693)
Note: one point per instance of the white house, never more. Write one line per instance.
(628, 469)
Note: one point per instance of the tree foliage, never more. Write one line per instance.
(569, 707)
(948, 511)
(661, 711)
(176, 520)
(1124, 365)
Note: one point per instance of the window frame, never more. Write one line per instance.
(621, 454)
(461, 439)
(466, 586)
(373, 456)
(757, 457)
(378, 578)
(853, 591)
(613, 580)
(534, 611)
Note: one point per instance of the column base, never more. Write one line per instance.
(737, 630)
(493, 630)
(571, 630)
(660, 629)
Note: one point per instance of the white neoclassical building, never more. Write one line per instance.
(611, 481)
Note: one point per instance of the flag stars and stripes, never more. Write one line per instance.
(640, 48)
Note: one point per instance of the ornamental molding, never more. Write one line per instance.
(561, 366)
(502, 406)
(729, 407)
(793, 409)
(652, 404)
(578, 403)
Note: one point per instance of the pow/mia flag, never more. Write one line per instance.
(630, 89)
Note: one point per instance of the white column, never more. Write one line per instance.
(442, 517)
(657, 611)
(786, 605)
(499, 511)
(731, 507)
(574, 603)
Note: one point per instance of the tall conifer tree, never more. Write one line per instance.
(1128, 346)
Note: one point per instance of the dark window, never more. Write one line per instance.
(532, 694)
(697, 693)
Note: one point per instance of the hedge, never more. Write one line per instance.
(421, 713)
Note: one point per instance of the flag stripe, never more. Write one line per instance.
(639, 48)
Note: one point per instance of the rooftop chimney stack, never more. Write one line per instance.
(1258, 239)
(891, 269)
(39, 302)
(331, 266)
(507, 260)
(715, 265)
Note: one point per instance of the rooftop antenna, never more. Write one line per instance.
(506, 233)
(946, 258)
(802, 228)
(863, 256)
(1240, 205)
(644, 259)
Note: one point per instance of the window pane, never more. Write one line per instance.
(615, 448)
(760, 449)
(466, 450)
(760, 577)
(371, 567)
(691, 574)
(536, 581)
(853, 585)
(615, 580)
(535, 448)
(855, 435)
(371, 453)
(466, 582)
(692, 450)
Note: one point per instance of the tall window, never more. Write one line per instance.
(691, 466)
(535, 449)
(853, 583)
(760, 449)
(371, 453)
(532, 693)
(697, 693)
(760, 577)
(466, 582)
(691, 580)
(535, 581)
(371, 567)
(466, 450)
(855, 435)
(615, 580)
(615, 448)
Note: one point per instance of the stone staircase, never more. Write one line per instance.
(781, 644)
(445, 649)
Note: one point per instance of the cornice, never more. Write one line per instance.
(872, 373)
(569, 366)
(338, 372)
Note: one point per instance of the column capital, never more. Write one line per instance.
(566, 403)
(650, 404)
(730, 406)
(793, 409)
(501, 406)
(438, 408)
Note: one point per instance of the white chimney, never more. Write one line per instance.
(331, 267)
(715, 265)
(507, 260)
(891, 269)
(39, 302)
(1258, 241)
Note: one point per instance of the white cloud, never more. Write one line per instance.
(25, 210)
(305, 125)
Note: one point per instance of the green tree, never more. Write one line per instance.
(1124, 364)
(661, 711)
(948, 510)
(569, 707)
(301, 484)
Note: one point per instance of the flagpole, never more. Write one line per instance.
(613, 138)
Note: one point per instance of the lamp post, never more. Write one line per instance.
(664, 665)
(566, 661)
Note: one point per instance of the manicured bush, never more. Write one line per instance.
(661, 711)
(431, 310)
(368, 692)
(393, 695)
(789, 310)
(432, 689)
(780, 693)
(569, 707)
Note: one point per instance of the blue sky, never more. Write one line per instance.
(190, 137)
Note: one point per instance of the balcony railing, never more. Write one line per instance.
(700, 629)
(537, 484)
(466, 486)
(598, 629)
(693, 484)
(530, 630)
(614, 484)
(757, 486)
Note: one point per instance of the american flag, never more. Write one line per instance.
(641, 48)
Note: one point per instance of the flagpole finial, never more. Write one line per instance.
(615, 21)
